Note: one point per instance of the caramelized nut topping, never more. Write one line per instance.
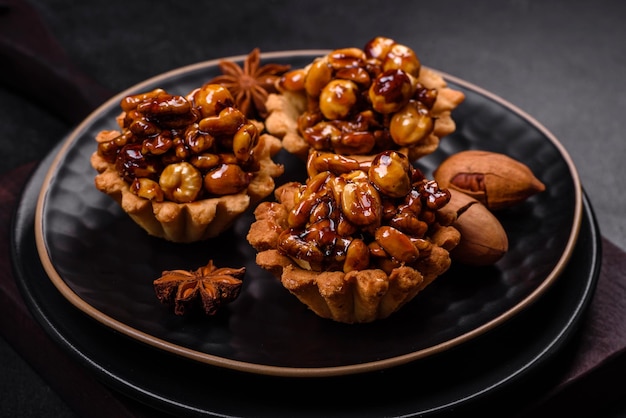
(208, 288)
(131, 163)
(366, 101)
(379, 215)
(190, 147)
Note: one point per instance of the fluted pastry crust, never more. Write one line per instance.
(359, 296)
(193, 221)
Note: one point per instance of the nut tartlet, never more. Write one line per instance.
(358, 240)
(185, 167)
(362, 102)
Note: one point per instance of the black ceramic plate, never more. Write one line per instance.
(104, 264)
(487, 373)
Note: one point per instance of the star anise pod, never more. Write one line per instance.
(251, 84)
(207, 288)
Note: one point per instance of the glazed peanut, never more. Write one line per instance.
(317, 77)
(147, 189)
(328, 161)
(181, 182)
(401, 57)
(294, 80)
(337, 99)
(211, 99)
(391, 91)
(129, 103)
(396, 244)
(357, 256)
(226, 122)
(411, 124)
(346, 58)
(226, 179)
(379, 47)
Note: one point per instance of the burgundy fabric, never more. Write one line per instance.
(592, 375)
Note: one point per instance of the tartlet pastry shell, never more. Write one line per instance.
(355, 297)
(194, 221)
(285, 108)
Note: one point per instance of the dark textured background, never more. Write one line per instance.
(561, 61)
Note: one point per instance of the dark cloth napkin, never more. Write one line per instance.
(594, 375)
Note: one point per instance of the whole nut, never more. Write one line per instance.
(389, 172)
(181, 182)
(397, 244)
(390, 91)
(483, 239)
(337, 98)
(411, 124)
(496, 180)
(226, 179)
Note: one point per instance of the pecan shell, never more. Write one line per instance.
(496, 180)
